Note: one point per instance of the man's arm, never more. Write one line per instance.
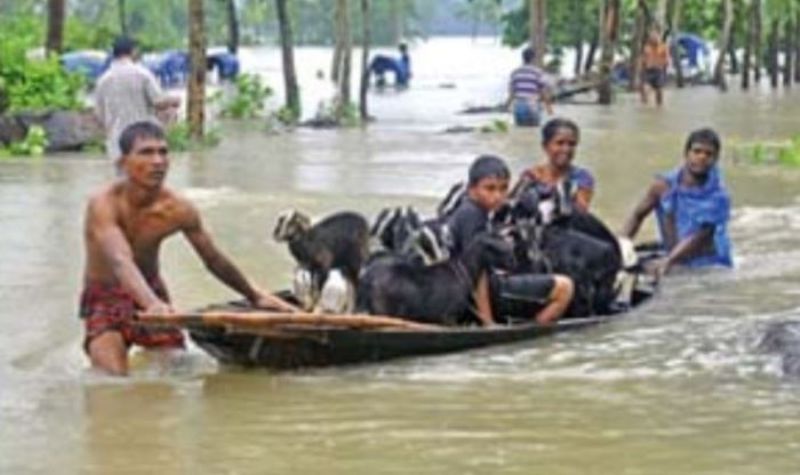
(222, 267)
(103, 229)
(644, 208)
(690, 246)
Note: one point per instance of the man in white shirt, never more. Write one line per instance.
(127, 93)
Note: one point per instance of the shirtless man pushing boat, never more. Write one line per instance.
(126, 222)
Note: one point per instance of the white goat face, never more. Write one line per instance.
(289, 225)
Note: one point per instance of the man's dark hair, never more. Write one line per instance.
(552, 126)
(403, 48)
(123, 46)
(527, 55)
(139, 130)
(706, 136)
(487, 166)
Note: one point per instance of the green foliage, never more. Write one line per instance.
(179, 138)
(32, 84)
(287, 116)
(248, 99)
(34, 144)
(763, 153)
(495, 126)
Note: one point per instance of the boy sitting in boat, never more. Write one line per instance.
(487, 191)
(125, 225)
(692, 207)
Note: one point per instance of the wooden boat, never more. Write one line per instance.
(299, 346)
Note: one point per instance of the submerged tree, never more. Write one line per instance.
(609, 31)
(537, 30)
(287, 53)
(366, 34)
(123, 18)
(344, 41)
(233, 26)
(56, 10)
(724, 45)
(196, 92)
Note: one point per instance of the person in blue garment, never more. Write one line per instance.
(692, 206)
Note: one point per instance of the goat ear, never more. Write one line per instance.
(280, 231)
(303, 221)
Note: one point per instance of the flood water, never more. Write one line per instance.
(675, 387)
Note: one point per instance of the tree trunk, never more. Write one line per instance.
(538, 27)
(123, 17)
(344, 37)
(797, 48)
(577, 32)
(578, 57)
(724, 43)
(591, 54)
(397, 21)
(788, 49)
(608, 29)
(734, 60)
(675, 49)
(366, 34)
(287, 54)
(233, 27)
(637, 43)
(758, 51)
(773, 53)
(749, 42)
(197, 65)
(661, 15)
(55, 26)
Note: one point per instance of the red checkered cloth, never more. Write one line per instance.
(106, 307)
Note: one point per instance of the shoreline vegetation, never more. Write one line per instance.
(756, 40)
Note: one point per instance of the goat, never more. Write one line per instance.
(339, 241)
(402, 232)
(439, 293)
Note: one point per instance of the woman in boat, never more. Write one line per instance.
(560, 139)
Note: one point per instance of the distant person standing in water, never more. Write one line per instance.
(655, 59)
(127, 93)
(528, 92)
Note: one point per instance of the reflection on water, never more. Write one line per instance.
(676, 387)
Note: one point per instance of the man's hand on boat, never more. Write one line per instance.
(657, 268)
(268, 301)
(159, 307)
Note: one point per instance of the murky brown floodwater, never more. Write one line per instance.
(677, 387)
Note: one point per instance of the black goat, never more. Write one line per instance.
(339, 241)
(570, 242)
(439, 293)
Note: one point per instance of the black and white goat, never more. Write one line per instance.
(402, 232)
(333, 249)
(440, 293)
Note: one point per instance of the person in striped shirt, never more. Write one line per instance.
(528, 92)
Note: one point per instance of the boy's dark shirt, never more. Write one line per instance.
(468, 220)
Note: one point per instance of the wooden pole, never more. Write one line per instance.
(366, 33)
(788, 52)
(256, 320)
(724, 43)
(196, 91)
(287, 55)
(608, 34)
(56, 9)
(749, 42)
(233, 26)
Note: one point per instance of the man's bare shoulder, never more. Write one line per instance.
(103, 199)
(179, 205)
